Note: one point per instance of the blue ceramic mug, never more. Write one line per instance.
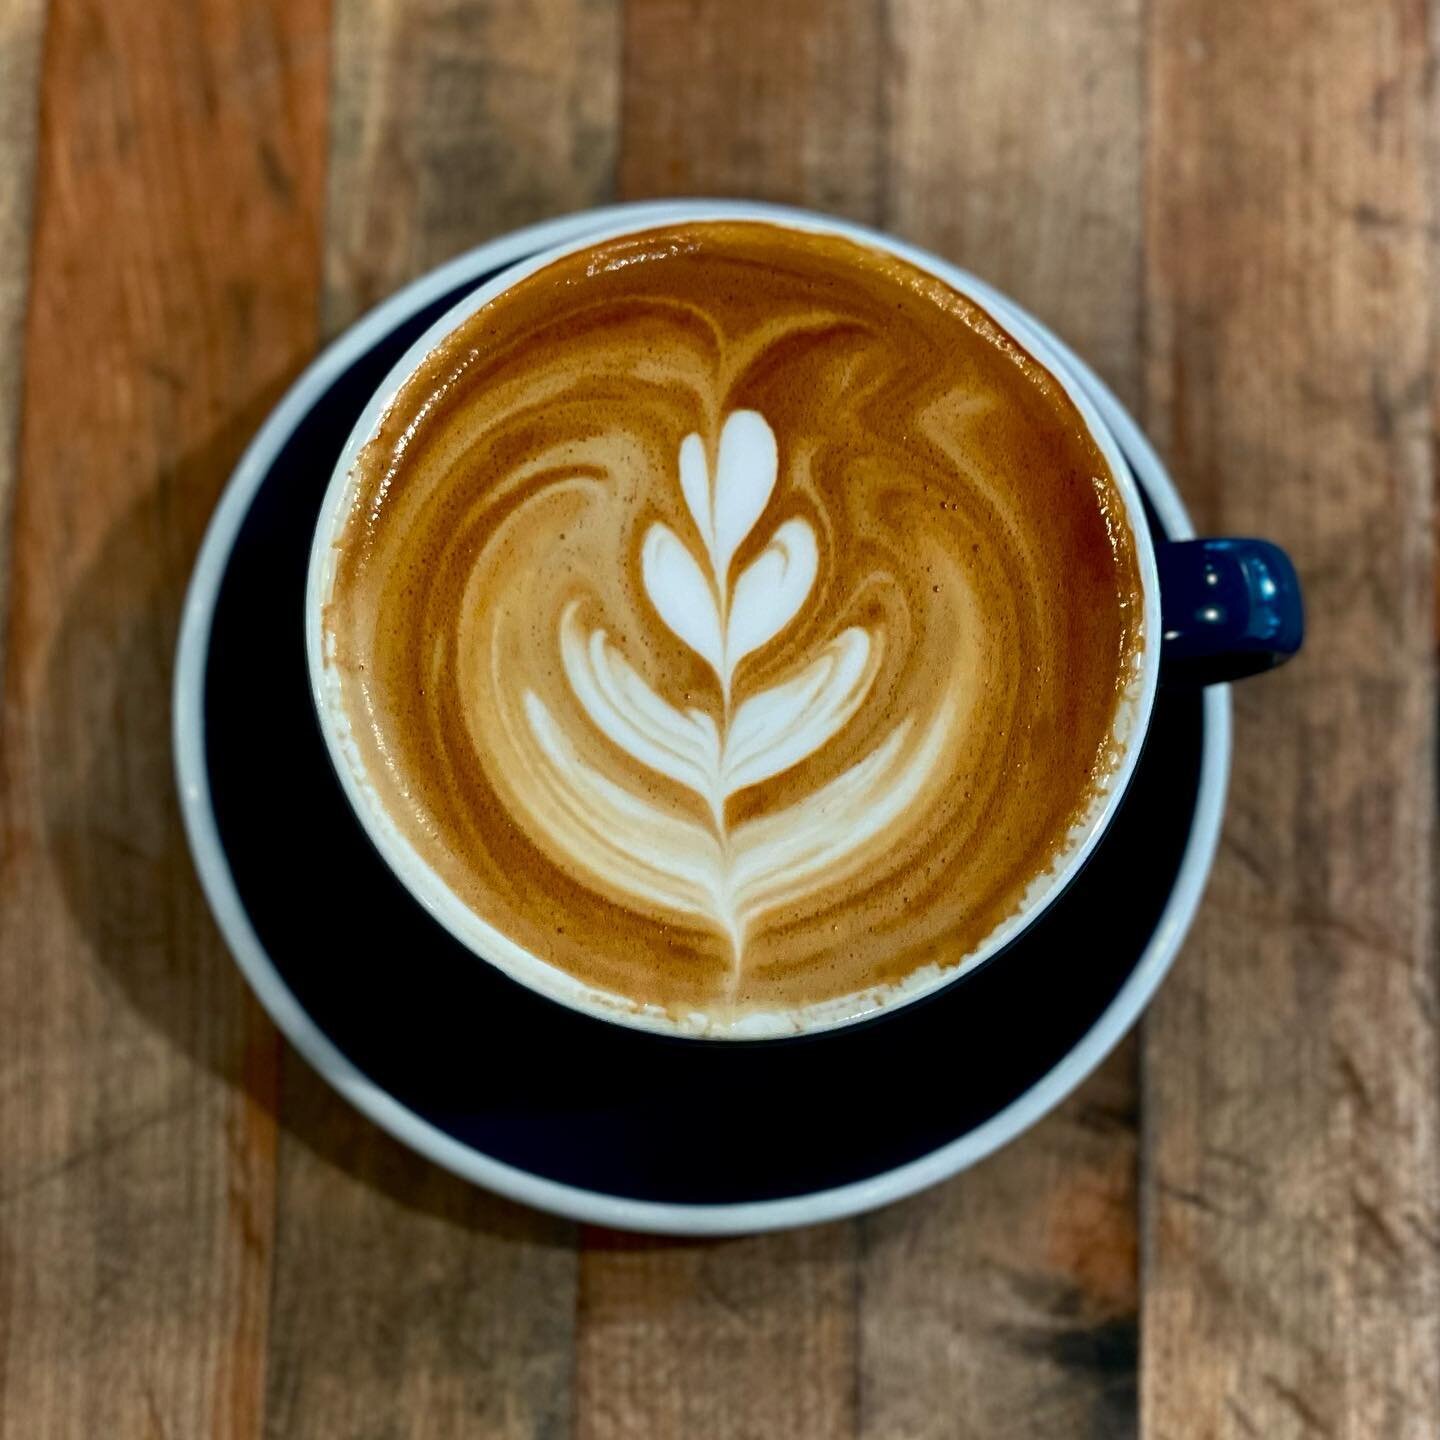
(1215, 610)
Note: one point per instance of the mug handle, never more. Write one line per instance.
(1229, 608)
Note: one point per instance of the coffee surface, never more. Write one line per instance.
(734, 618)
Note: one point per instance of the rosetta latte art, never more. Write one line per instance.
(734, 620)
(724, 875)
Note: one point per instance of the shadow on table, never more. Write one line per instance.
(103, 761)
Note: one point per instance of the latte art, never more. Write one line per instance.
(734, 620)
(719, 874)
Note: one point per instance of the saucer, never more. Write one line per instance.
(599, 1122)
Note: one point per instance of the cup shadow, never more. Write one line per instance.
(115, 836)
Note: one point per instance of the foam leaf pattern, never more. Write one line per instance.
(768, 595)
(778, 728)
(722, 875)
(771, 732)
(682, 867)
(681, 595)
(722, 625)
(823, 837)
(725, 512)
(683, 745)
(745, 474)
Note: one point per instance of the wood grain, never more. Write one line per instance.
(407, 1302)
(728, 1339)
(175, 275)
(778, 102)
(1004, 1303)
(1293, 1237)
(453, 122)
(22, 24)
(1016, 143)
(1229, 208)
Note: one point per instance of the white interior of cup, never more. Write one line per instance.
(471, 929)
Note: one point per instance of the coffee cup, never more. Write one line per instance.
(742, 546)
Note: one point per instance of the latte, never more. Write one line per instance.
(735, 619)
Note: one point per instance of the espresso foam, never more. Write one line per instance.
(735, 619)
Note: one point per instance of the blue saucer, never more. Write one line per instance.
(593, 1120)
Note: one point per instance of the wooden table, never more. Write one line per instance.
(1233, 1229)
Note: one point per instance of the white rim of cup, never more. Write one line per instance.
(575, 1202)
(494, 947)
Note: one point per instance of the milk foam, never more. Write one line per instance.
(721, 874)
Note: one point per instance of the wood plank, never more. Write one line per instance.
(1066, 1344)
(786, 105)
(751, 1337)
(22, 24)
(173, 293)
(727, 1339)
(1016, 151)
(1004, 1303)
(1293, 1236)
(407, 1302)
(453, 122)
